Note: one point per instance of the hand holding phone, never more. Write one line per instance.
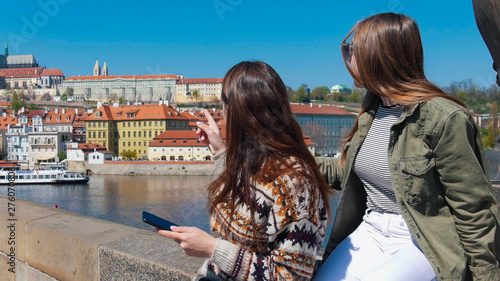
(156, 221)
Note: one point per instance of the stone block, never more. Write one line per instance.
(25, 212)
(146, 257)
(65, 245)
(4, 269)
(27, 273)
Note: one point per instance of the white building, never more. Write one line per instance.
(178, 146)
(209, 90)
(103, 87)
(94, 153)
(98, 157)
(44, 146)
(16, 139)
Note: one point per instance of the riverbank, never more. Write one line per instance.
(151, 168)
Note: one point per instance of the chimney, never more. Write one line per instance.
(56, 110)
(160, 102)
(311, 104)
(115, 104)
(76, 111)
(99, 104)
(64, 111)
(320, 106)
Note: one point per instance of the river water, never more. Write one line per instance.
(121, 199)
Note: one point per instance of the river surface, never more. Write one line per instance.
(121, 199)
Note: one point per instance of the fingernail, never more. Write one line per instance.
(173, 227)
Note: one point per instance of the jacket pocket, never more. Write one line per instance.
(421, 187)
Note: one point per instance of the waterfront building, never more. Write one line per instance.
(45, 146)
(209, 90)
(132, 127)
(326, 125)
(16, 139)
(93, 153)
(185, 145)
(104, 87)
(179, 146)
(5, 122)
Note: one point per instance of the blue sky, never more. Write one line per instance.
(204, 38)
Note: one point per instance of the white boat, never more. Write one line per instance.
(46, 175)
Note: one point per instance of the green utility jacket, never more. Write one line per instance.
(445, 196)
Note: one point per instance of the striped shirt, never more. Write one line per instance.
(371, 164)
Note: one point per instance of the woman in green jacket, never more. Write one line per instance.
(416, 202)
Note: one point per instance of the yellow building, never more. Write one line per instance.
(132, 128)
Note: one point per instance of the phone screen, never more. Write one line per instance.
(156, 221)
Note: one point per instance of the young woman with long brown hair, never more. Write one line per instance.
(269, 206)
(416, 201)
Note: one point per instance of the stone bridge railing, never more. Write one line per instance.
(50, 244)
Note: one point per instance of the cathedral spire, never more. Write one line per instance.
(97, 69)
(6, 48)
(104, 69)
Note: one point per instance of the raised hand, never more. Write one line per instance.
(210, 134)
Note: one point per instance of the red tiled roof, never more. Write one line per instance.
(199, 81)
(316, 109)
(31, 113)
(142, 112)
(5, 103)
(5, 121)
(59, 118)
(52, 72)
(138, 77)
(22, 72)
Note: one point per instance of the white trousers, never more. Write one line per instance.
(381, 248)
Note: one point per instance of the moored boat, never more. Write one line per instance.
(47, 175)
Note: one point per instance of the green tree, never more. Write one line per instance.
(122, 99)
(290, 93)
(69, 92)
(129, 154)
(16, 102)
(64, 97)
(493, 131)
(32, 106)
(61, 155)
(196, 95)
(320, 93)
(301, 95)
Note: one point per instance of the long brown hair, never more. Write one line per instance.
(260, 126)
(390, 62)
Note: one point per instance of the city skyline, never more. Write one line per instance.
(205, 38)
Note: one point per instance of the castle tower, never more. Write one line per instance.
(104, 69)
(6, 48)
(97, 69)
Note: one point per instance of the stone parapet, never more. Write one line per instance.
(52, 244)
(145, 168)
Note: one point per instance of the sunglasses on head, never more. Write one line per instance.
(347, 51)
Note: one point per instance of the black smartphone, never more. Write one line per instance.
(156, 221)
